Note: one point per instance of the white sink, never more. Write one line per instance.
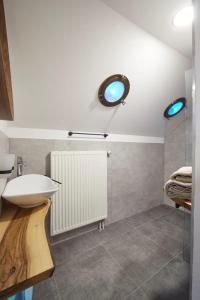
(29, 190)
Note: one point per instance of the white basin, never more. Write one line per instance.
(29, 190)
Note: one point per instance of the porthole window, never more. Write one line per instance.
(114, 90)
(174, 108)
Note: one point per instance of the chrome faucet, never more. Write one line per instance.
(19, 166)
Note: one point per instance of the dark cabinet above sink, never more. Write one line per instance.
(6, 98)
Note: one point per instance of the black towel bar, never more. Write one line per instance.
(105, 135)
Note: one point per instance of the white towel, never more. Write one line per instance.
(178, 190)
(183, 174)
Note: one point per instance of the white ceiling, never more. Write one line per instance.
(155, 16)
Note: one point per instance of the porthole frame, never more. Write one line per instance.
(108, 81)
(166, 114)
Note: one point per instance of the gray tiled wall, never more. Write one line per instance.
(4, 148)
(178, 138)
(4, 143)
(135, 171)
(175, 147)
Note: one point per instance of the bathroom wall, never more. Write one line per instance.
(178, 137)
(4, 143)
(61, 51)
(135, 170)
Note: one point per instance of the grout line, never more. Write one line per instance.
(102, 244)
(94, 229)
(150, 239)
(145, 281)
(151, 277)
(85, 252)
(134, 291)
(73, 237)
(57, 290)
(117, 263)
(152, 219)
(164, 266)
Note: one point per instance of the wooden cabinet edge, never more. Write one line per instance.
(6, 96)
(26, 284)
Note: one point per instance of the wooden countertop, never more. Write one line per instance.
(25, 254)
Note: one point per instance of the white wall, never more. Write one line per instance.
(3, 125)
(62, 50)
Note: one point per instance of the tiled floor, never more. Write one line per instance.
(138, 258)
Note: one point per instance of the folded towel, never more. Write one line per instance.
(183, 174)
(178, 190)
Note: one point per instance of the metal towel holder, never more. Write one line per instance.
(105, 135)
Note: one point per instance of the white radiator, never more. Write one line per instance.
(82, 196)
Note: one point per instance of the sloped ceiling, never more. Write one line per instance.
(61, 51)
(156, 17)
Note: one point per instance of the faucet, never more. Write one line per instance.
(19, 166)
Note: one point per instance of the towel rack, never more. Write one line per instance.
(183, 202)
(105, 135)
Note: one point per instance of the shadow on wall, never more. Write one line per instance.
(176, 293)
(108, 124)
(47, 165)
(95, 104)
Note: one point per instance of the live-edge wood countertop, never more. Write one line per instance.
(25, 253)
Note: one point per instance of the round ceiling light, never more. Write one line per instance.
(184, 17)
(174, 108)
(114, 90)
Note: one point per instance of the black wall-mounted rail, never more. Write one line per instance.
(105, 135)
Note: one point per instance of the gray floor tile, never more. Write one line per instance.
(94, 276)
(138, 255)
(160, 211)
(164, 227)
(182, 220)
(162, 239)
(187, 221)
(68, 250)
(171, 283)
(138, 220)
(176, 218)
(112, 264)
(114, 230)
(138, 295)
(46, 290)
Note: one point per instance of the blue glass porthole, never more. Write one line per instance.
(114, 90)
(174, 108)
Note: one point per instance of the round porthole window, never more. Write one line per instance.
(114, 90)
(174, 108)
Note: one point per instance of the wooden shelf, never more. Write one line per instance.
(184, 203)
(25, 254)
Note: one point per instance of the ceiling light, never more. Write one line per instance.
(184, 17)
